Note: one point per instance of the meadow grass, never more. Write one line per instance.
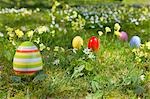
(114, 73)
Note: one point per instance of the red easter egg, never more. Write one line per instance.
(93, 43)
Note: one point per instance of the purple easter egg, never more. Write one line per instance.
(135, 42)
(123, 36)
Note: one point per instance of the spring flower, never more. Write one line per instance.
(107, 29)
(101, 19)
(91, 56)
(13, 43)
(86, 51)
(62, 49)
(9, 29)
(53, 33)
(56, 49)
(56, 62)
(10, 32)
(117, 33)
(42, 29)
(30, 33)
(1, 34)
(138, 59)
(67, 6)
(42, 46)
(37, 9)
(134, 50)
(27, 12)
(74, 50)
(100, 33)
(23, 28)
(48, 48)
(75, 14)
(67, 18)
(19, 33)
(37, 40)
(117, 27)
(56, 3)
(78, 24)
(148, 45)
(142, 77)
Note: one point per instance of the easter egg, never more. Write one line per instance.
(94, 43)
(77, 42)
(123, 36)
(135, 42)
(27, 59)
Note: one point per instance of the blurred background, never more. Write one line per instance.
(48, 3)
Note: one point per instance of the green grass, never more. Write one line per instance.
(114, 73)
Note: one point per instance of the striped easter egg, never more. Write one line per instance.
(27, 59)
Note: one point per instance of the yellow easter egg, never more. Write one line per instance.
(77, 42)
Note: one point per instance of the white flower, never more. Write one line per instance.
(23, 28)
(87, 51)
(48, 48)
(56, 49)
(1, 34)
(74, 50)
(91, 56)
(13, 43)
(142, 77)
(42, 29)
(107, 29)
(75, 14)
(42, 46)
(92, 19)
(30, 33)
(62, 49)
(37, 9)
(60, 29)
(56, 62)
(100, 33)
(37, 40)
(51, 26)
(57, 25)
(53, 22)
